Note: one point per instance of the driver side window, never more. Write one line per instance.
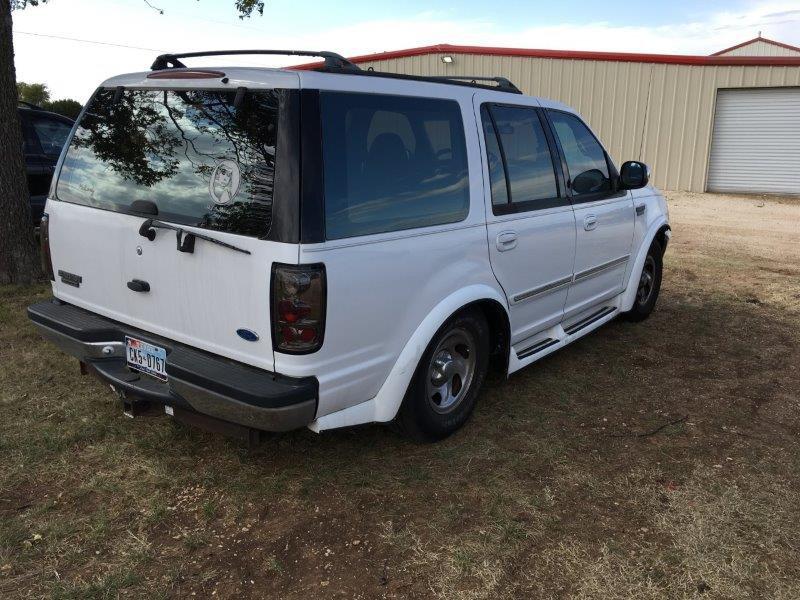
(586, 160)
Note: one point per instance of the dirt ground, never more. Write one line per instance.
(651, 460)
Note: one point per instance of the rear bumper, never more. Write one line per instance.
(199, 381)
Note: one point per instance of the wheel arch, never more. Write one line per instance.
(662, 236)
(496, 316)
(384, 406)
(658, 230)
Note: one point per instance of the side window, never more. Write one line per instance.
(529, 169)
(497, 173)
(586, 160)
(52, 134)
(391, 163)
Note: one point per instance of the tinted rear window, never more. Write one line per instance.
(52, 133)
(199, 158)
(392, 163)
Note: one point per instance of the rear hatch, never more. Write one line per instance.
(196, 160)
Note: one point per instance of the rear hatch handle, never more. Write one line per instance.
(185, 239)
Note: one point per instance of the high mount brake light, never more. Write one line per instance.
(186, 74)
(44, 246)
(298, 294)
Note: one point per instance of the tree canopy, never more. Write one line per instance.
(38, 95)
(33, 93)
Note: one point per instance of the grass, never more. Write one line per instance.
(554, 489)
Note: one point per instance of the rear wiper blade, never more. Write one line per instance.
(185, 238)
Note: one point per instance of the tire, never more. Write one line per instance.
(649, 285)
(444, 389)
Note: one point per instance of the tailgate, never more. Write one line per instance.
(200, 299)
(199, 161)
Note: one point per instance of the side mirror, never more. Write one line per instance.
(589, 181)
(633, 175)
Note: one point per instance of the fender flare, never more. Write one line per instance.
(629, 296)
(393, 390)
(384, 406)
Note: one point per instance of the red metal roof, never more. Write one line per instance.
(757, 39)
(671, 59)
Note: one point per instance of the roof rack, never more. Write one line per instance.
(29, 105)
(502, 83)
(332, 60)
(336, 63)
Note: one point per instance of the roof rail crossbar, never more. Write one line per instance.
(501, 82)
(332, 60)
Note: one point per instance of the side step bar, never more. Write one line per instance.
(537, 347)
(595, 316)
(544, 344)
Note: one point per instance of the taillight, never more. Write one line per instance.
(298, 307)
(44, 246)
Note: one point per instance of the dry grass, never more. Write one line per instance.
(547, 493)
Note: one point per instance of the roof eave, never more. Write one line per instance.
(676, 59)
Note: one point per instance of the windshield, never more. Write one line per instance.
(199, 158)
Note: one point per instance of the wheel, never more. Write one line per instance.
(649, 285)
(444, 389)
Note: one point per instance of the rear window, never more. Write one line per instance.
(202, 160)
(52, 133)
(391, 163)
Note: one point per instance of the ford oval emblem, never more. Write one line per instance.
(246, 334)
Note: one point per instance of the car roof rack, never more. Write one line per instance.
(333, 61)
(502, 83)
(29, 105)
(336, 63)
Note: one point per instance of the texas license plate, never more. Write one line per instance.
(146, 358)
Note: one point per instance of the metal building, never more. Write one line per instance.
(727, 122)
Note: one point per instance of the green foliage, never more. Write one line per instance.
(35, 93)
(66, 106)
(39, 95)
(246, 8)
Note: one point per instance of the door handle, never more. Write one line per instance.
(589, 222)
(506, 240)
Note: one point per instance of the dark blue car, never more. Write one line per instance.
(44, 134)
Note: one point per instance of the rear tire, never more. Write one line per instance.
(444, 389)
(648, 286)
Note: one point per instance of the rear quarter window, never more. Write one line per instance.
(391, 163)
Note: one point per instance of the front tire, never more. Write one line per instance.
(649, 285)
(445, 386)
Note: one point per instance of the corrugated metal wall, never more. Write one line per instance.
(761, 48)
(659, 113)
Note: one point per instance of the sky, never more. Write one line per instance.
(110, 37)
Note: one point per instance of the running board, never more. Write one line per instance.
(537, 347)
(595, 316)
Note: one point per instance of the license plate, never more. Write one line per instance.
(146, 358)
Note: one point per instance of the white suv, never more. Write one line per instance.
(279, 248)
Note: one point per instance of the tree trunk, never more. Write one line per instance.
(19, 257)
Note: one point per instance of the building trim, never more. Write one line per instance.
(670, 59)
(754, 40)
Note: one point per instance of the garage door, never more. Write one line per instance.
(756, 141)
